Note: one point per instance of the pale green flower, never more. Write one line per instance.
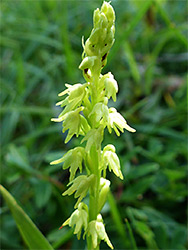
(111, 87)
(79, 219)
(73, 159)
(74, 122)
(97, 231)
(116, 121)
(74, 99)
(88, 62)
(88, 66)
(94, 138)
(80, 186)
(110, 159)
(100, 111)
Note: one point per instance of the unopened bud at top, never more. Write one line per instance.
(109, 12)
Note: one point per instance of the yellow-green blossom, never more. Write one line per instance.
(97, 231)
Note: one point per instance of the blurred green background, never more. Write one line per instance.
(41, 51)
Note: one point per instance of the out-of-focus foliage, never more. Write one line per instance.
(30, 233)
(40, 52)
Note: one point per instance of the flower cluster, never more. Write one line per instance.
(86, 113)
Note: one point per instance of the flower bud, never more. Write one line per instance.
(95, 36)
(96, 17)
(89, 48)
(111, 160)
(87, 62)
(111, 87)
(104, 7)
(105, 100)
(109, 147)
(109, 12)
(104, 184)
(103, 21)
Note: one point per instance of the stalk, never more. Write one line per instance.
(94, 190)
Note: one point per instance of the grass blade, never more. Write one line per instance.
(131, 27)
(116, 217)
(30, 233)
(170, 24)
(132, 62)
(133, 242)
(150, 70)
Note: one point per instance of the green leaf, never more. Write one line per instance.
(146, 233)
(133, 23)
(136, 213)
(43, 190)
(170, 24)
(30, 233)
(142, 170)
(60, 237)
(19, 157)
(131, 61)
(174, 175)
(138, 188)
(117, 218)
(161, 236)
(133, 242)
(150, 70)
(179, 238)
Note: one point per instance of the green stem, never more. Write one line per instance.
(93, 204)
(94, 190)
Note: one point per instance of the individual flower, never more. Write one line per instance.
(73, 159)
(111, 87)
(74, 99)
(88, 66)
(97, 231)
(116, 121)
(94, 138)
(88, 62)
(71, 122)
(100, 111)
(80, 186)
(78, 219)
(110, 159)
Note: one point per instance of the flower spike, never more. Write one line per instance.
(86, 113)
